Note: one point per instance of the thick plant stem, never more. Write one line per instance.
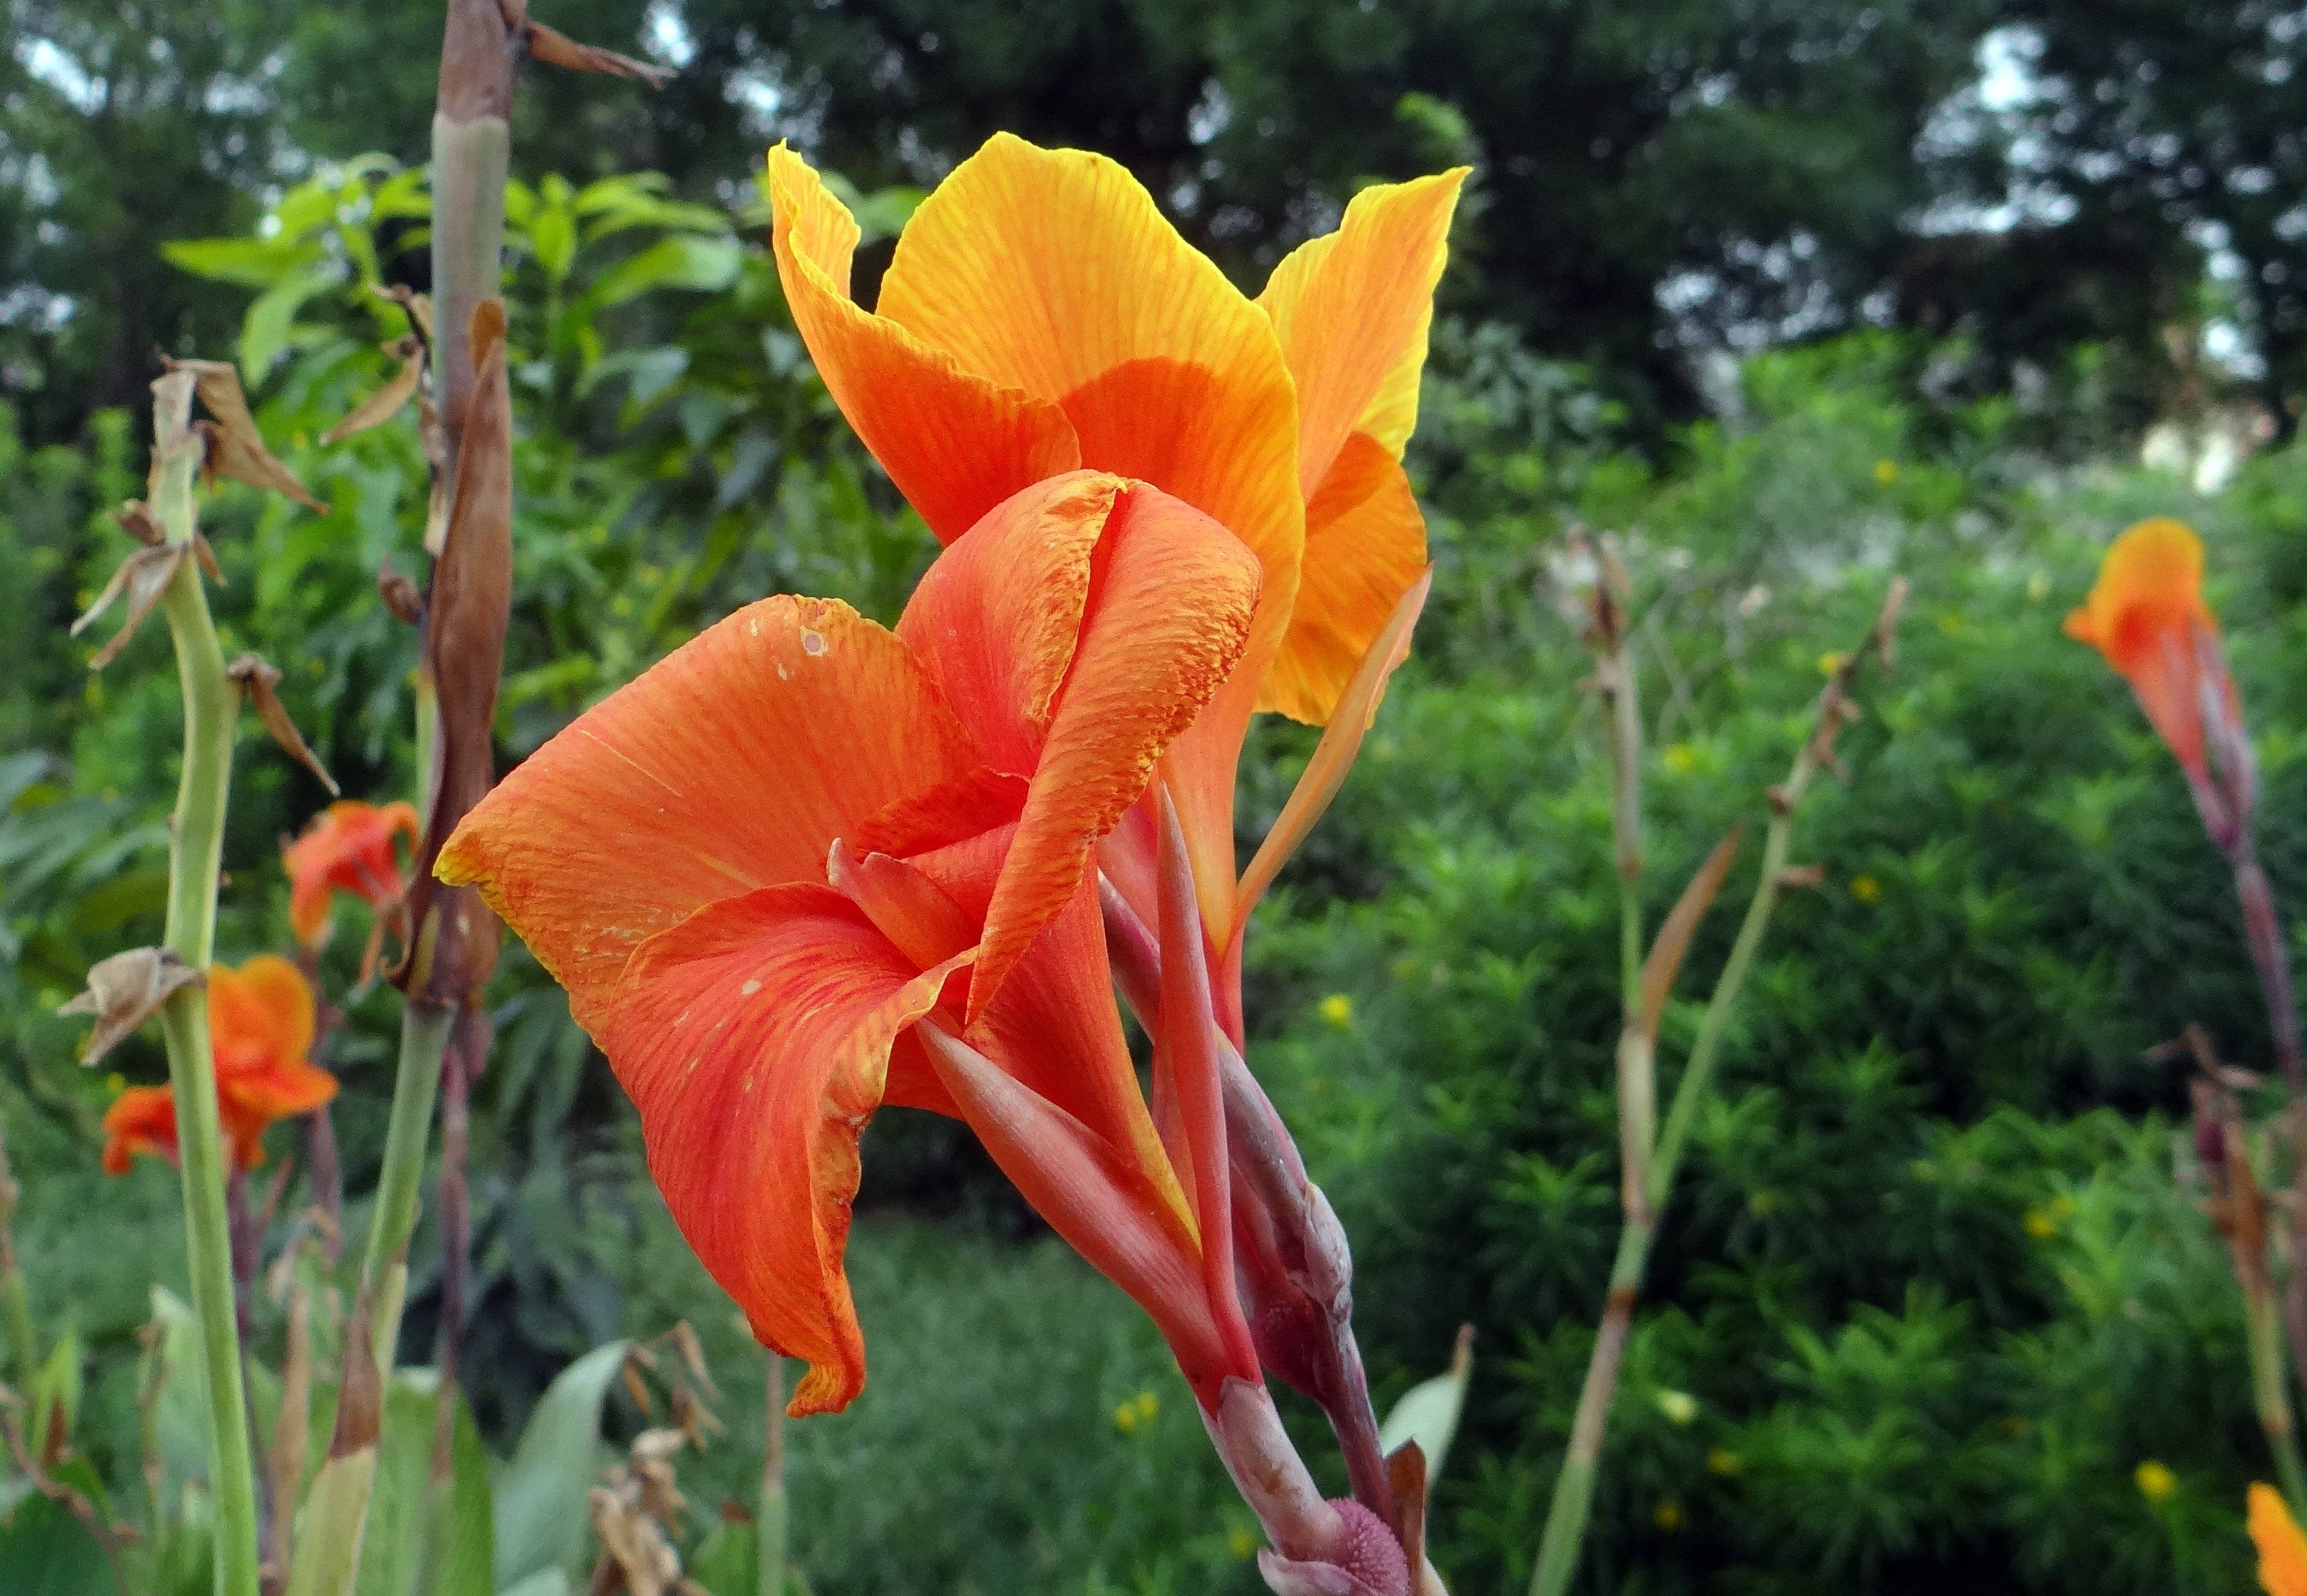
(770, 1542)
(195, 859)
(424, 1030)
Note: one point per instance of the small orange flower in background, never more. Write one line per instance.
(2281, 1548)
(347, 847)
(2146, 615)
(260, 1027)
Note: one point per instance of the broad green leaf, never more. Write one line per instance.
(1427, 1412)
(311, 204)
(727, 1561)
(540, 1495)
(252, 262)
(45, 1551)
(401, 1544)
(266, 329)
(545, 1582)
(703, 264)
(553, 240)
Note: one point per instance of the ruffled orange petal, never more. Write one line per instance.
(754, 1038)
(260, 1016)
(2281, 1548)
(349, 847)
(1351, 309)
(1051, 272)
(1365, 545)
(733, 764)
(277, 1091)
(1169, 599)
(954, 444)
(140, 1119)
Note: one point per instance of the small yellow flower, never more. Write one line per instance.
(1722, 1462)
(1242, 1544)
(2040, 1224)
(1680, 1407)
(2154, 1481)
(1667, 1516)
(1338, 1008)
(1136, 1414)
(1950, 622)
(296, 438)
(1865, 888)
(1680, 758)
(1832, 661)
(114, 1084)
(2038, 586)
(1886, 472)
(1762, 1203)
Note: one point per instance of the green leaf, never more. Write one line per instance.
(1427, 1412)
(56, 1397)
(411, 1530)
(46, 1551)
(687, 260)
(553, 240)
(727, 1561)
(252, 262)
(328, 1543)
(540, 1499)
(267, 327)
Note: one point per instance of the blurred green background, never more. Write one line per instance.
(1787, 295)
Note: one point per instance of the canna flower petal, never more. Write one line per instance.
(754, 1038)
(347, 847)
(140, 1119)
(261, 1016)
(732, 764)
(1079, 629)
(955, 443)
(1351, 309)
(2281, 1548)
(2143, 615)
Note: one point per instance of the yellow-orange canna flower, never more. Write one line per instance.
(347, 847)
(2146, 615)
(2281, 1548)
(260, 1027)
(1041, 315)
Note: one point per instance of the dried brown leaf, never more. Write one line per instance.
(135, 519)
(1802, 875)
(205, 553)
(125, 991)
(465, 620)
(1665, 955)
(235, 448)
(1405, 1476)
(400, 594)
(386, 402)
(556, 49)
(360, 1401)
(144, 576)
(258, 680)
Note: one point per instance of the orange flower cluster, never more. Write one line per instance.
(349, 847)
(807, 866)
(260, 1028)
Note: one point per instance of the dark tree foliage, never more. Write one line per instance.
(2164, 126)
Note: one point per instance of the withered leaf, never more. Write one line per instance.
(258, 680)
(1802, 875)
(434, 436)
(144, 576)
(1665, 959)
(135, 519)
(414, 306)
(555, 49)
(125, 991)
(205, 553)
(400, 594)
(385, 403)
(235, 448)
(466, 620)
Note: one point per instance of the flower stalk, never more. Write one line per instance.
(1653, 1162)
(769, 1543)
(195, 859)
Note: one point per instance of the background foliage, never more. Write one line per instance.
(1929, 1300)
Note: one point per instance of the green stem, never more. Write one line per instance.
(15, 1298)
(2268, 1392)
(195, 860)
(424, 1030)
(770, 1543)
(1574, 1487)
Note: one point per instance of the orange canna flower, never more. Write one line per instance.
(2281, 1548)
(1039, 314)
(347, 847)
(2146, 615)
(806, 865)
(260, 1028)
